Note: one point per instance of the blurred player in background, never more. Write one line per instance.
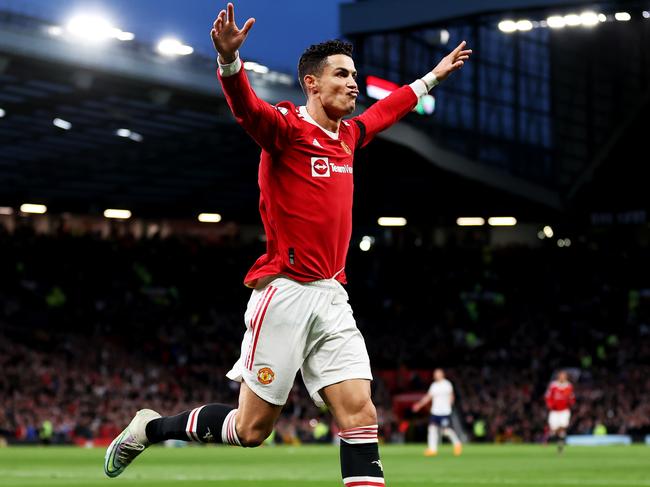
(298, 317)
(441, 396)
(559, 399)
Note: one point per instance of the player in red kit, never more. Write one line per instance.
(559, 399)
(298, 316)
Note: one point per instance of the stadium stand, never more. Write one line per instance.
(87, 321)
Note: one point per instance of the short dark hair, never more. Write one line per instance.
(315, 56)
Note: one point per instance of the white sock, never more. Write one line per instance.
(451, 434)
(432, 437)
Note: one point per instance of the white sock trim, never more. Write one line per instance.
(360, 435)
(192, 424)
(366, 481)
(229, 430)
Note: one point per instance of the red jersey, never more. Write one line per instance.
(306, 179)
(559, 396)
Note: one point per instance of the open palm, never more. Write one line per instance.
(226, 36)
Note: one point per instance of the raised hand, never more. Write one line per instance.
(226, 36)
(452, 62)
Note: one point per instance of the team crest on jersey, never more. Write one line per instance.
(320, 167)
(265, 376)
(346, 148)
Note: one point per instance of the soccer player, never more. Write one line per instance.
(298, 316)
(559, 399)
(441, 396)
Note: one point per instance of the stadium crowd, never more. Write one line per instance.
(92, 329)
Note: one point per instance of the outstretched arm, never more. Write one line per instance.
(422, 402)
(264, 122)
(391, 109)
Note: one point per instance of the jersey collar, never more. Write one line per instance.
(307, 117)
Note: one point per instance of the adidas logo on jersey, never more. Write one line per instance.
(317, 144)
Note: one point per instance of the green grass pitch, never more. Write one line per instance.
(317, 466)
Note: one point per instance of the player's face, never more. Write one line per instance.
(338, 88)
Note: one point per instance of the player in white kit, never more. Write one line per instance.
(441, 396)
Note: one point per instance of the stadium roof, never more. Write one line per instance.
(380, 15)
(136, 130)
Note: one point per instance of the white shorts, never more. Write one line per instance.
(559, 419)
(306, 326)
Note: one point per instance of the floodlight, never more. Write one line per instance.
(90, 28)
(173, 47)
(502, 221)
(470, 221)
(524, 25)
(117, 214)
(260, 69)
(62, 124)
(556, 22)
(210, 217)
(589, 19)
(572, 20)
(507, 26)
(55, 30)
(121, 35)
(390, 221)
(33, 208)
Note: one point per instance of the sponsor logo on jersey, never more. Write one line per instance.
(346, 148)
(320, 167)
(265, 376)
(344, 169)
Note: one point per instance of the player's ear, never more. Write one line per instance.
(311, 83)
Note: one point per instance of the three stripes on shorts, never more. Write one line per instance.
(256, 323)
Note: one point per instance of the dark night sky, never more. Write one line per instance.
(283, 29)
